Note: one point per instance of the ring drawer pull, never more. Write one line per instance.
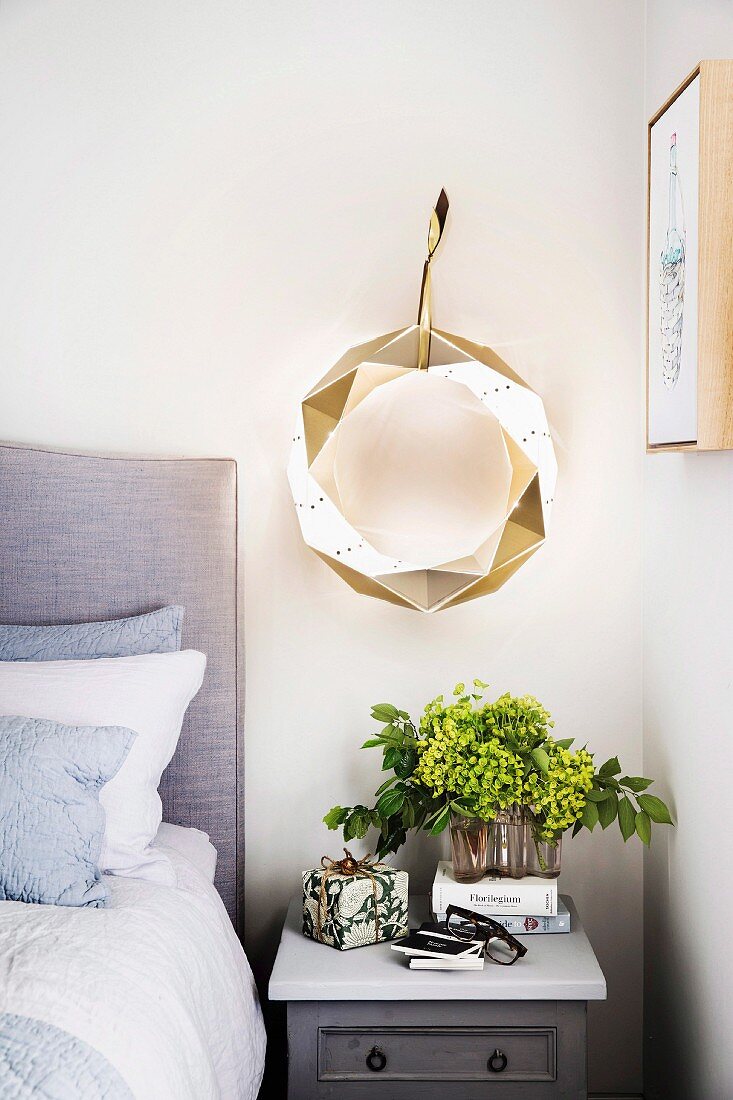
(376, 1059)
(498, 1061)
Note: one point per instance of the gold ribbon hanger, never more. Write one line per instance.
(424, 312)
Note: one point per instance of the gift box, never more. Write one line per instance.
(352, 903)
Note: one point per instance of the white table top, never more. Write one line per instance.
(557, 967)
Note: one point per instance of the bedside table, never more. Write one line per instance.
(361, 1024)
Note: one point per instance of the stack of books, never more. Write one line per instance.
(526, 906)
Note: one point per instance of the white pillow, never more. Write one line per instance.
(148, 694)
(193, 844)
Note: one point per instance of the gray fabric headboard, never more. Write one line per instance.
(86, 537)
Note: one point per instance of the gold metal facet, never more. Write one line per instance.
(523, 469)
(495, 579)
(484, 355)
(426, 588)
(353, 357)
(318, 426)
(365, 586)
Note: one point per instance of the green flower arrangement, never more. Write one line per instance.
(476, 758)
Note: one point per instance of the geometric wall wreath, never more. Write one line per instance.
(422, 467)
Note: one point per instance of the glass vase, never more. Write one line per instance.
(507, 843)
(543, 858)
(468, 845)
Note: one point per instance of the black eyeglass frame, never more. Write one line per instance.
(490, 929)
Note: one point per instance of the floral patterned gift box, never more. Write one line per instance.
(353, 903)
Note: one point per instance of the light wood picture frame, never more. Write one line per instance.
(689, 357)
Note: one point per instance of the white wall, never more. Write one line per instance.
(203, 204)
(688, 695)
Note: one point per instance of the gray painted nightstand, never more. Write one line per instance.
(361, 1024)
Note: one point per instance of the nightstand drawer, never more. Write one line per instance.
(437, 1054)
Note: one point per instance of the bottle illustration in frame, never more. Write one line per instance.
(672, 277)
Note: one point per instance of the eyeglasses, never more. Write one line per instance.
(501, 947)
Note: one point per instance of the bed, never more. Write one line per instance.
(151, 996)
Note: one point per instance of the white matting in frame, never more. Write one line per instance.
(673, 252)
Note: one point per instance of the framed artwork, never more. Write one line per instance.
(690, 265)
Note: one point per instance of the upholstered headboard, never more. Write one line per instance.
(86, 537)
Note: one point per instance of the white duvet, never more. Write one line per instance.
(157, 982)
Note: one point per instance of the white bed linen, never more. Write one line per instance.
(157, 982)
(191, 843)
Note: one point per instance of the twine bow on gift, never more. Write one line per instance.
(361, 868)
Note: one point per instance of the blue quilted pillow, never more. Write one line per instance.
(51, 822)
(156, 632)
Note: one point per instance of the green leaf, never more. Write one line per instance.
(387, 783)
(577, 827)
(461, 808)
(655, 808)
(408, 814)
(541, 759)
(391, 757)
(431, 816)
(644, 827)
(611, 767)
(565, 743)
(441, 821)
(635, 783)
(336, 816)
(375, 819)
(384, 712)
(607, 810)
(406, 763)
(390, 803)
(372, 743)
(590, 816)
(390, 734)
(357, 825)
(600, 796)
(392, 840)
(626, 818)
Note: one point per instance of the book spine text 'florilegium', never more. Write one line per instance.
(526, 900)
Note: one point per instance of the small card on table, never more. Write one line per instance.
(429, 950)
